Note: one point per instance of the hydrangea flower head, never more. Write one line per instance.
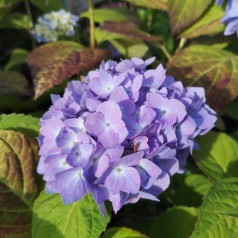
(120, 134)
(54, 24)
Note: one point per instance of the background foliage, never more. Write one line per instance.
(186, 36)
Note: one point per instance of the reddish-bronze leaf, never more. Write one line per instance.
(130, 30)
(18, 188)
(214, 69)
(52, 63)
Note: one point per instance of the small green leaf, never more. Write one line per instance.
(157, 4)
(176, 222)
(13, 83)
(114, 15)
(18, 188)
(81, 219)
(48, 5)
(219, 213)
(183, 13)
(214, 69)
(20, 122)
(130, 48)
(218, 155)
(209, 24)
(17, 21)
(122, 232)
(18, 56)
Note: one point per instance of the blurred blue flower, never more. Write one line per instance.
(54, 24)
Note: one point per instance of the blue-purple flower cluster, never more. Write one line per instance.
(231, 17)
(120, 133)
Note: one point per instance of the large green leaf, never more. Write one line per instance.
(157, 4)
(114, 15)
(53, 63)
(214, 69)
(48, 5)
(13, 83)
(219, 211)
(20, 122)
(176, 222)
(209, 24)
(183, 13)
(18, 189)
(80, 219)
(218, 155)
(18, 56)
(122, 232)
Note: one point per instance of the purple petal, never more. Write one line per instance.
(95, 123)
(109, 138)
(71, 185)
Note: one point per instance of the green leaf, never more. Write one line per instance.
(20, 122)
(48, 5)
(198, 182)
(157, 4)
(17, 21)
(122, 232)
(130, 48)
(13, 83)
(114, 15)
(183, 13)
(18, 56)
(81, 219)
(176, 222)
(218, 155)
(219, 213)
(214, 69)
(209, 24)
(52, 63)
(18, 188)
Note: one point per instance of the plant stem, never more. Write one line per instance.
(28, 11)
(91, 22)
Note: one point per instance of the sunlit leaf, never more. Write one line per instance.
(13, 83)
(80, 219)
(52, 63)
(219, 213)
(183, 13)
(20, 122)
(218, 155)
(18, 189)
(115, 15)
(157, 4)
(209, 24)
(214, 69)
(122, 232)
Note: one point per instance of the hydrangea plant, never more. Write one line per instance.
(120, 133)
(54, 24)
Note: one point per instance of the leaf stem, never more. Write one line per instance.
(165, 51)
(91, 22)
(28, 11)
